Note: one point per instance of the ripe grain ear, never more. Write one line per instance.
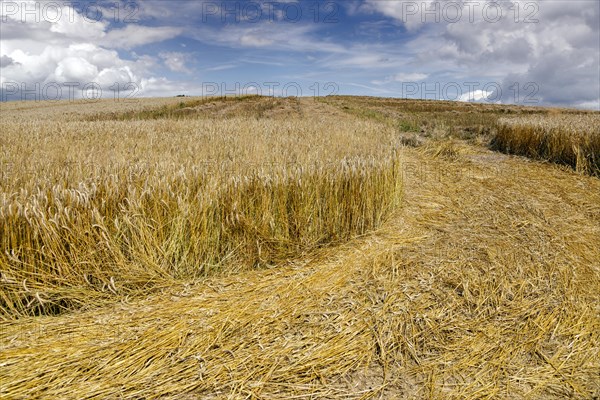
(142, 198)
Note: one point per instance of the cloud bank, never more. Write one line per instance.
(524, 52)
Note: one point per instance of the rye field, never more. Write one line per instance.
(298, 248)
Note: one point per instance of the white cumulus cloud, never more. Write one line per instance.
(57, 45)
(547, 49)
(176, 61)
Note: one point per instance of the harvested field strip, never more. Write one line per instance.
(416, 121)
(563, 136)
(481, 287)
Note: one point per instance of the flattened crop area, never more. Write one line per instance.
(479, 280)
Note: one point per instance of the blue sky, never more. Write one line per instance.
(524, 52)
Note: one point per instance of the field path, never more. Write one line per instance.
(485, 284)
